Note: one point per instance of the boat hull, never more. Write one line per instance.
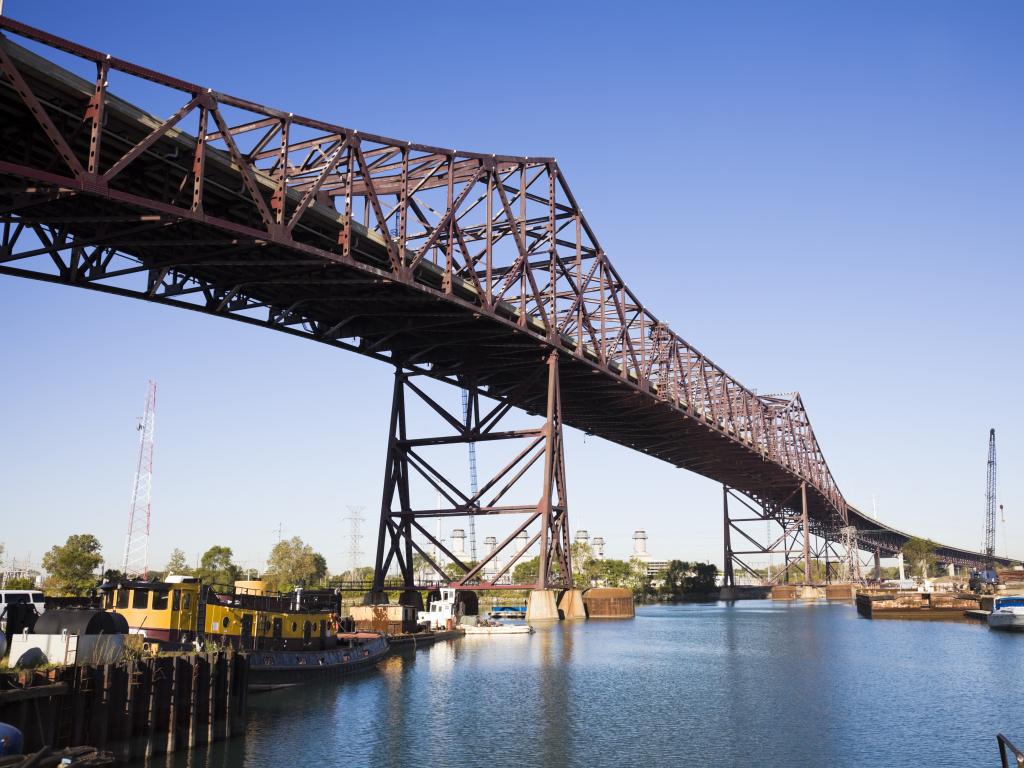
(515, 629)
(270, 670)
(1006, 622)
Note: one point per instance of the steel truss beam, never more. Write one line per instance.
(405, 252)
(544, 522)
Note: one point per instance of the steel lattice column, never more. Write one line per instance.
(401, 519)
(792, 540)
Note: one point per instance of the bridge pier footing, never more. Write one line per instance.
(541, 606)
(412, 598)
(571, 604)
(810, 592)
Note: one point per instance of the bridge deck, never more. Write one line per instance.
(132, 219)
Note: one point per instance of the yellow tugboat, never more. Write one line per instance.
(290, 636)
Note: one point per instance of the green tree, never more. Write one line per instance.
(21, 582)
(702, 578)
(178, 564)
(920, 555)
(608, 573)
(71, 567)
(293, 563)
(526, 571)
(422, 567)
(320, 563)
(673, 580)
(638, 580)
(216, 566)
(363, 573)
(582, 554)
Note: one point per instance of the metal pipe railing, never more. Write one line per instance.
(1004, 745)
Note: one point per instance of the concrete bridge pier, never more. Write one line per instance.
(899, 561)
(541, 606)
(571, 604)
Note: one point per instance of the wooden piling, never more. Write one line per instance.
(134, 708)
(193, 710)
(124, 731)
(229, 693)
(211, 697)
(151, 708)
(174, 705)
(101, 718)
(84, 685)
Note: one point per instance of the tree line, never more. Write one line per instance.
(678, 580)
(71, 567)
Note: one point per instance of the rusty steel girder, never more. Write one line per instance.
(437, 261)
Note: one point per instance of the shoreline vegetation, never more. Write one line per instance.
(73, 570)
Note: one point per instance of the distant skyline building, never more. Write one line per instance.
(598, 547)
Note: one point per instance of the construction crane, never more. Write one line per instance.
(987, 579)
(990, 503)
(136, 543)
(472, 472)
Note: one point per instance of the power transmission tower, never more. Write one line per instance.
(467, 404)
(990, 503)
(136, 543)
(355, 535)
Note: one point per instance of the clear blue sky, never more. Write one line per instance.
(825, 197)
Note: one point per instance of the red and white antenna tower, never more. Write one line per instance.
(136, 543)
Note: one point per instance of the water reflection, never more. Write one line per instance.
(704, 685)
(552, 695)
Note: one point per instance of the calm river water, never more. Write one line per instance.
(755, 683)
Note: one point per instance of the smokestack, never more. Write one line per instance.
(639, 543)
(459, 542)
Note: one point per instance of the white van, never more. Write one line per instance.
(13, 596)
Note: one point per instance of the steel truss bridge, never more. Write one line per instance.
(477, 270)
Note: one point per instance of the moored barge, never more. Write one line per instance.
(290, 638)
(356, 651)
(891, 604)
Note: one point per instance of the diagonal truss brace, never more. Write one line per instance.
(543, 523)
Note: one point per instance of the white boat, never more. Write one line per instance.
(1007, 614)
(497, 629)
(442, 613)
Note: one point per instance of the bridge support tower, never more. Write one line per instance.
(792, 541)
(412, 464)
